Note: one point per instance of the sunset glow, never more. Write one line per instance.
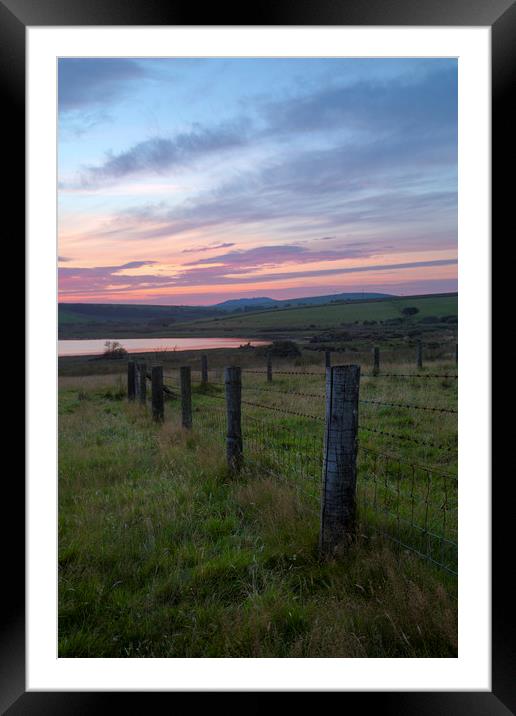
(192, 181)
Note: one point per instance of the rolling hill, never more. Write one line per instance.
(126, 321)
(310, 319)
(265, 302)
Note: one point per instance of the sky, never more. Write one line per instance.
(194, 181)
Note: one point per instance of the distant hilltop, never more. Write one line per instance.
(266, 302)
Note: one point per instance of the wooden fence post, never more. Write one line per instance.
(269, 368)
(142, 370)
(456, 354)
(136, 379)
(186, 396)
(376, 360)
(419, 354)
(327, 359)
(204, 370)
(158, 412)
(131, 380)
(233, 385)
(338, 500)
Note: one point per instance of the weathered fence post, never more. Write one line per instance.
(233, 384)
(327, 359)
(204, 370)
(419, 354)
(131, 380)
(269, 368)
(142, 370)
(137, 379)
(158, 412)
(456, 353)
(376, 360)
(186, 396)
(338, 500)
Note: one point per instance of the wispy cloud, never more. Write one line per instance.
(275, 255)
(85, 280)
(211, 247)
(227, 275)
(279, 201)
(154, 156)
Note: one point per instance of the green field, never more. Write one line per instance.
(164, 553)
(323, 317)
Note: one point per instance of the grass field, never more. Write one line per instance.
(324, 317)
(162, 552)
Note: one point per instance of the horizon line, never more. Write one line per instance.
(209, 305)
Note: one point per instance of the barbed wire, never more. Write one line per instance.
(408, 405)
(165, 388)
(408, 438)
(371, 402)
(283, 410)
(366, 375)
(284, 372)
(320, 373)
(409, 375)
(282, 392)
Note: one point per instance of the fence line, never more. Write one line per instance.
(411, 504)
(383, 433)
(354, 355)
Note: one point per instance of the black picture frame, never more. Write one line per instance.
(500, 15)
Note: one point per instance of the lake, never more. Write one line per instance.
(96, 346)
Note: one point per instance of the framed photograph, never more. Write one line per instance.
(252, 252)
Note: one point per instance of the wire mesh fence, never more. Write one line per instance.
(413, 505)
(292, 454)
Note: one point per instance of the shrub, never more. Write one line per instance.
(114, 350)
(410, 310)
(281, 349)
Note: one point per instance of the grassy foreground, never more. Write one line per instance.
(162, 553)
